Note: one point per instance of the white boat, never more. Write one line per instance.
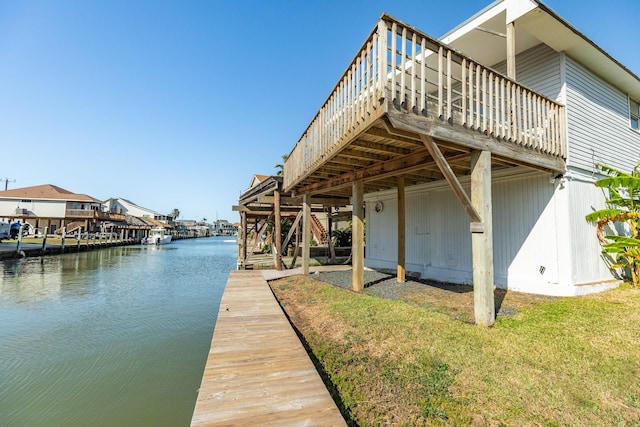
(157, 236)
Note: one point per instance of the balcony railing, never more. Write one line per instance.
(92, 214)
(422, 76)
(81, 213)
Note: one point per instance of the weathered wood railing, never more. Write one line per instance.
(423, 76)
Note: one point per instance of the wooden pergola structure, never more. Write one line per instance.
(267, 201)
(410, 110)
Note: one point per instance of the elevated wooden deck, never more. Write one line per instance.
(258, 373)
(406, 94)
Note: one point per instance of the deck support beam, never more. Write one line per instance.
(482, 239)
(357, 236)
(243, 221)
(306, 232)
(401, 273)
(276, 241)
(480, 212)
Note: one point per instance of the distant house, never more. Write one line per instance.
(222, 227)
(52, 207)
(124, 206)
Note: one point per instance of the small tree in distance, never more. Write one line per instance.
(622, 213)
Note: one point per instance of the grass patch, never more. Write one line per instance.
(572, 361)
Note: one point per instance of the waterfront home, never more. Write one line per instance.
(124, 206)
(473, 156)
(51, 207)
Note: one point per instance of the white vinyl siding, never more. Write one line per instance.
(538, 69)
(438, 240)
(598, 122)
(585, 197)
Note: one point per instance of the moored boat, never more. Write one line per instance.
(157, 236)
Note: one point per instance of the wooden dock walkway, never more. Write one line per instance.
(258, 373)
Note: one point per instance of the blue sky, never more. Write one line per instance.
(176, 104)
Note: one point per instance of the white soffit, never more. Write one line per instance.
(561, 37)
(535, 24)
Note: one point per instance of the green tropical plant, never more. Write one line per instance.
(621, 214)
(341, 237)
(280, 166)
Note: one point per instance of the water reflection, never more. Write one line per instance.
(117, 336)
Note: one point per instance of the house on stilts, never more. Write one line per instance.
(473, 156)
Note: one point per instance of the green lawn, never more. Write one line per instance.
(570, 362)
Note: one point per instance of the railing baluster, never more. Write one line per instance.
(536, 122)
(367, 82)
(503, 108)
(509, 111)
(394, 53)
(382, 57)
(463, 87)
(403, 69)
(375, 69)
(423, 79)
(478, 107)
(490, 81)
(440, 82)
(549, 126)
(413, 72)
(525, 118)
(518, 125)
(471, 120)
(484, 100)
(449, 117)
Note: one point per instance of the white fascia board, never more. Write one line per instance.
(475, 21)
(514, 9)
(518, 8)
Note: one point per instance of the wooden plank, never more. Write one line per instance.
(258, 373)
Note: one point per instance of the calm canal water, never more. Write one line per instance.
(114, 337)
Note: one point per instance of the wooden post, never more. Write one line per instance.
(511, 50)
(357, 236)
(306, 232)
(482, 239)
(401, 232)
(64, 235)
(19, 240)
(44, 241)
(277, 232)
(332, 251)
(243, 242)
(79, 231)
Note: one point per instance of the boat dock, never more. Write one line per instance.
(257, 372)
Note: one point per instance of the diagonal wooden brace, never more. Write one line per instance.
(441, 162)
